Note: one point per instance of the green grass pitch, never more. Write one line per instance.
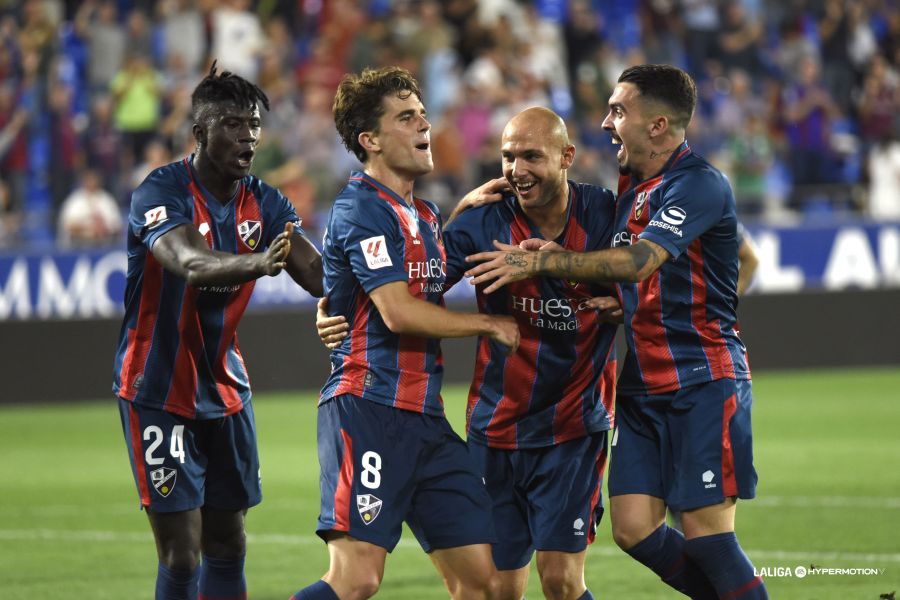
(827, 450)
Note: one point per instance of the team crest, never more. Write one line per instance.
(163, 480)
(250, 232)
(368, 506)
(639, 205)
(436, 230)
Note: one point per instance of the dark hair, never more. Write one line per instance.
(666, 84)
(357, 103)
(226, 87)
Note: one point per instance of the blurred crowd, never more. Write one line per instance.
(798, 98)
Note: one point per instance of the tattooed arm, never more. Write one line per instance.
(626, 264)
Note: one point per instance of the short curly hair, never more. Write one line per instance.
(358, 102)
(222, 87)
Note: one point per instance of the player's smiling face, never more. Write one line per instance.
(403, 139)
(628, 128)
(229, 134)
(534, 163)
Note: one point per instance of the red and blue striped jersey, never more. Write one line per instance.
(373, 237)
(178, 349)
(560, 383)
(680, 323)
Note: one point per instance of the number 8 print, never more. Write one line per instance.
(371, 473)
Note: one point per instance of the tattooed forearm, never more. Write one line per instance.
(630, 264)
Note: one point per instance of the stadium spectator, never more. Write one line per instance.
(384, 443)
(201, 231)
(237, 37)
(13, 153)
(683, 410)
(89, 216)
(102, 144)
(137, 96)
(65, 146)
(97, 22)
(884, 177)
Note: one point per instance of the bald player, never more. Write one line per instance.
(537, 421)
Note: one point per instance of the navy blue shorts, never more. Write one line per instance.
(382, 466)
(182, 464)
(543, 498)
(692, 448)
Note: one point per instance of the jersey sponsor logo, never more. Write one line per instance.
(250, 232)
(667, 226)
(155, 216)
(674, 215)
(550, 313)
(624, 238)
(707, 478)
(163, 480)
(639, 204)
(368, 506)
(375, 250)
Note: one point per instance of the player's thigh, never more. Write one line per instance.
(563, 490)
(709, 520)
(466, 569)
(223, 532)
(712, 444)
(450, 505)
(233, 475)
(639, 448)
(368, 455)
(178, 537)
(167, 460)
(509, 506)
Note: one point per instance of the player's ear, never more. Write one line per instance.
(369, 141)
(198, 133)
(568, 157)
(659, 125)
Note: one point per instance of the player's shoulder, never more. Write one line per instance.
(169, 183)
(697, 177)
(593, 197)
(259, 188)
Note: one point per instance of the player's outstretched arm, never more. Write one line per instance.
(509, 263)
(332, 330)
(487, 193)
(184, 251)
(304, 263)
(402, 313)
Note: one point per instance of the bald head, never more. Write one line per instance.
(541, 123)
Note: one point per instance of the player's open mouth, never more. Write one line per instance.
(245, 158)
(424, 146)
(616, 139)
(523, 187)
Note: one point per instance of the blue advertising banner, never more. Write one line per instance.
(91, 283)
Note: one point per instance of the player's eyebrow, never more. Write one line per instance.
(615, 105)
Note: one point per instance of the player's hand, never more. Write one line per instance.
(539, 244)
(609, 308)
(503, 266)
(487, 193)
(275, 258)
(505, 331)
(332, 330)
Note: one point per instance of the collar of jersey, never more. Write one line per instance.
(536, 232)
(362, 176)
(212, 203)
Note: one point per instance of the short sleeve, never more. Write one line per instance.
(369, 234)
(460, 243)
(158, 206)
(691, 205)
(283, 212)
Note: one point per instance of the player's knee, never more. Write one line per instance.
(628, 534)
(179, 558)
(559, 583)
(476, 583)
(228, 543)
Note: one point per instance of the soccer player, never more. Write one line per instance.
(201, 231)
(538, 420)
(682, 434)
(386, 451)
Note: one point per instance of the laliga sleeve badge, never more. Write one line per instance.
(368, 506)
(163, 480)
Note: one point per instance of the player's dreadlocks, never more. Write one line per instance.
(226, 87)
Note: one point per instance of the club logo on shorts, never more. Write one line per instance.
(708, 477)
(250, 232)
(639, 204)
(368, 506)
(163, 480)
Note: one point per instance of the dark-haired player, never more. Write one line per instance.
(683, 436)
(201, 231)
(386, 451)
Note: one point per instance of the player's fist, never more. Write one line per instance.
(332, 330)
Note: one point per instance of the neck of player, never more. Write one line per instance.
(220, 185)
(399, 183)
